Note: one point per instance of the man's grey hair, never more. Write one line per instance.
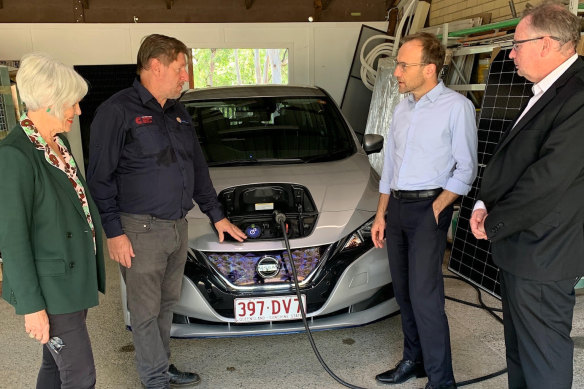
(554, 19)
(43, 82)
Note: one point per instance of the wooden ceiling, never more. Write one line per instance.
(190, 11)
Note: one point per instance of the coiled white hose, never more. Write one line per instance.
(368, 74)
(389, 49)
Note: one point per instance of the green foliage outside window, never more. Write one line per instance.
(223, 67)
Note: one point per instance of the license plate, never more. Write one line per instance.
(268, 308)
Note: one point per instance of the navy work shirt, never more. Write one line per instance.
(146, 159)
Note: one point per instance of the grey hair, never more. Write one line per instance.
(43, 81)
(552, 18)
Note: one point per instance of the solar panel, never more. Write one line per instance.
(505, 94)
(104, 81)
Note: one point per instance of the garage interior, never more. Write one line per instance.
(324, 40)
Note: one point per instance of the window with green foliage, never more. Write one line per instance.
(221, 67)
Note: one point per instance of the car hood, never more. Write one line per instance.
(345, 193)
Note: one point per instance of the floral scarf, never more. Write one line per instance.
(69, 167)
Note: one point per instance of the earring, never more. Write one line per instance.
(49, 109)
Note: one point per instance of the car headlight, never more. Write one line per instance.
(360, 237)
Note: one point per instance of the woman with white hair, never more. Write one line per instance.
(50, 235)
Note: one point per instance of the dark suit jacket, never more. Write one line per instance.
(46, 243)
(533, 187)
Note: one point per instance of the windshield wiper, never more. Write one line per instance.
(255, 161)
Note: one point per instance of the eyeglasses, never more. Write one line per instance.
(403, 65)
(515, 44)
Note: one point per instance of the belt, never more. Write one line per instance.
(149, 218)
(416, 194)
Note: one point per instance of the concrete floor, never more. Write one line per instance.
(287, 361)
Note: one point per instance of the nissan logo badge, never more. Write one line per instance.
(268, 267)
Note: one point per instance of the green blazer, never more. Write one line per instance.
(46, 244)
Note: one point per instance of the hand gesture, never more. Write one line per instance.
(224, 225)
(477, 223)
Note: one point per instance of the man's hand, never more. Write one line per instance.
(436, 208)
(37, 325)
(378, 227)
(477, 223)
(120, 250)
(378, 231)
(224, 225)
(444, 199)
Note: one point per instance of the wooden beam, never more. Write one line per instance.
(78, 11)
(248, 4)
(392, 17)
(319, 6)
(169, 4)
(317, 10)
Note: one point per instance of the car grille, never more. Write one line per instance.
(241, 269)
(320, 275)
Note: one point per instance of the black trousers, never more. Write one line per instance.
(73, 366)
(416, 245)
(537, 317)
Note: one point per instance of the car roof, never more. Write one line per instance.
(244, 91)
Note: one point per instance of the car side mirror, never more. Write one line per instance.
(372, 143)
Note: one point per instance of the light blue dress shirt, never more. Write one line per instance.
(432, 143)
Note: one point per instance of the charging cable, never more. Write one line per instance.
(281, 220)
(491, 311)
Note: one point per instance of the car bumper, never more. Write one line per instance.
(347, 306)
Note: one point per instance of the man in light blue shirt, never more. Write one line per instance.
(430, 160)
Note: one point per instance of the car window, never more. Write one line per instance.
(270, 130)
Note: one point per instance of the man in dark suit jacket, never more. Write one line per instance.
(532, 207)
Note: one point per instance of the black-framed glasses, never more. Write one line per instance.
(404, 65)
(515, 44)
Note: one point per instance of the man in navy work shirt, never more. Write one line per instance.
(430, 160)
(145, 169)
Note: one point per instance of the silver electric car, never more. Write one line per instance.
(283, 149)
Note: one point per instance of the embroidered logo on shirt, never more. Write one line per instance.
(143, 119)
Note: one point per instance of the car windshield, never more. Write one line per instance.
(270, 130)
